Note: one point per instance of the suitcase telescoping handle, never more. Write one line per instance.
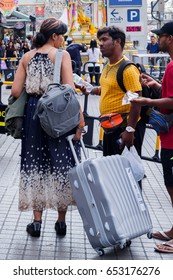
(70, 138)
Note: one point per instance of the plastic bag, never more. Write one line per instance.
(3, 65)
(79, 81)
(135, 162)
(128, 96)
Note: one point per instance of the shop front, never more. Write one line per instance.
(15, 25)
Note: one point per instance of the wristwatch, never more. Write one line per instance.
(130, 129)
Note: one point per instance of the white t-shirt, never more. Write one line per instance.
(94, 56)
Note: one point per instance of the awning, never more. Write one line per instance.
(17, 17)
(6, 26)
(20, 16)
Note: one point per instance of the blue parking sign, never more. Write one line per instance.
(133, 15)
(125, 3)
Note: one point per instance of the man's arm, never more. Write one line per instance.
(131, 74)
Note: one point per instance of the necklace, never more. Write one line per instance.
(108, 69)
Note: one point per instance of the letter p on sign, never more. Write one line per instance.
(133, 15)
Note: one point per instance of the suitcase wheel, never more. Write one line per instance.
(100, 252)
(149, 235)
(123, 245)
(128, 243)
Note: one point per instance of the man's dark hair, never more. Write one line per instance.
(113, 32)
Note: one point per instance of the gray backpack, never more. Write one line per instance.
(58, 109)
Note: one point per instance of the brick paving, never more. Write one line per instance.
(15, 244)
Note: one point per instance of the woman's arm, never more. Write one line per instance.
(15, 53)
(20, 77)
(66, 69)
(67, 78)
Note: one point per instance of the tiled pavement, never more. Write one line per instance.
(15, 244)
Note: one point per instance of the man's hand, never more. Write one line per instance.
(141, 101)
(127, 138)
(148, 81)
(82, 89)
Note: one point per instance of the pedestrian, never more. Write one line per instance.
(25, 47)
(10, 54)
(6, 38)
(131, 132)
(45, 162)
(2, 48)
(94, 55)
(166, 107)
(74, 50)
(153, 47)
(3, 64)
(17, 46)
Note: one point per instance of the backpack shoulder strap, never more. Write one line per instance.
(141, 67)
(121, 68)
(57, 68)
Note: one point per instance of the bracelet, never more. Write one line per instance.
(98, 91)
(95, 91)
(81, 124)
(92, 91)
(80, 127)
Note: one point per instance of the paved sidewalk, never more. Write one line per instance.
(15, 244)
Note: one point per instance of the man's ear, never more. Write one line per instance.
(118, 40)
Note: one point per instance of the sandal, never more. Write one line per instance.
(60, 228)
(165, 247)
(34, 229)
(161, 235)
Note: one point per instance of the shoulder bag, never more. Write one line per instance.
(14, 114)
(58, 109)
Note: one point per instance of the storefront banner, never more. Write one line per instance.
(7, 6)
(39, 12)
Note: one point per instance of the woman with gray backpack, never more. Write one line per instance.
(45, 161)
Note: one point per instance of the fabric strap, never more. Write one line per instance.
(57, 68)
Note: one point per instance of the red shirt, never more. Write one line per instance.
(167, 91)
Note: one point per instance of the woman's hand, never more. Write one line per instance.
(78, 134)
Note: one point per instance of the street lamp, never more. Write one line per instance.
(159, 5)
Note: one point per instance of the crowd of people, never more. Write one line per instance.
(45, 162)
(13, 48)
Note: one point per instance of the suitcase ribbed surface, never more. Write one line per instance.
(109, 201)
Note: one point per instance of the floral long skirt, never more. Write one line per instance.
(45, 164)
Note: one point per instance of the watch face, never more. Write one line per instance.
(130, 129)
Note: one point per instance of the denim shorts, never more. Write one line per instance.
(167, 163)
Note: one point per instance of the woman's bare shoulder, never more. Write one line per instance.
(65, 55)
(27, 57)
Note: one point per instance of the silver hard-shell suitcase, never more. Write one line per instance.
(109, 201)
